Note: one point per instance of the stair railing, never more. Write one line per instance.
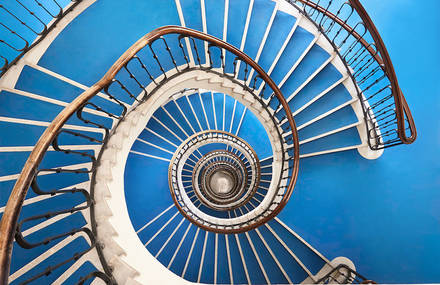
(153, 60)
(347, 25)
(343, 274)
(29, 27)
(244, 156)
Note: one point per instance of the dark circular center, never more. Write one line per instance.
(221, 182)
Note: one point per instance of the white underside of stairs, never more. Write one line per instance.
(115, 229)
(337, 62)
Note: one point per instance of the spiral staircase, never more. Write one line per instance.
(173, 167)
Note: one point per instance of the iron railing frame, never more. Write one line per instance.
(379, 52)
(48, 27)
(349, 276)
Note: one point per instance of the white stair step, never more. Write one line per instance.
(125, 128)
(131, 281)
(121, 270)
(106, 229)
(103, 172)
(227, 83)
(215, 79)
(102, 191)
(109, 155)
(116, 141)
(112, 250)
(134, 119)
(102, 210)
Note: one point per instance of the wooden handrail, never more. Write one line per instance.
(384, 60)
(12, 211)
(402, 107)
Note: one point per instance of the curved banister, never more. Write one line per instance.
(10, 217)
(401, 106)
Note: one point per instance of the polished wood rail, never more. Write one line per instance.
(12, 211)
(381, 55)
